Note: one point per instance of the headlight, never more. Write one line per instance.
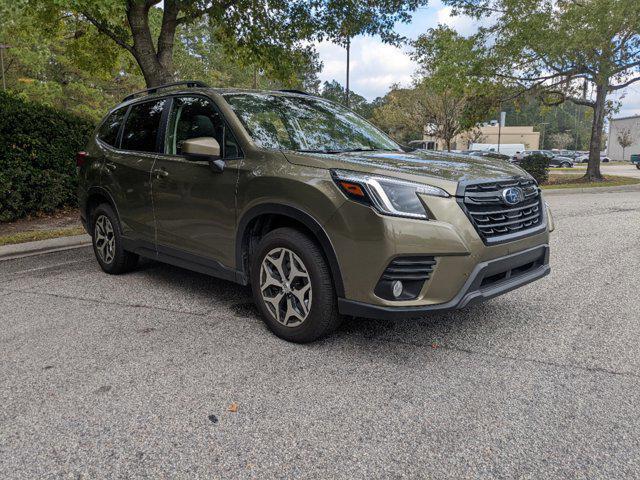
(387, 195)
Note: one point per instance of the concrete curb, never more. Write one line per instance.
(19, 250)
(562, 191)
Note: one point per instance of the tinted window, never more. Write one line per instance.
(108, 132)
(193, 117)
(141, 126)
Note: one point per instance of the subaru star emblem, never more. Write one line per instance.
(512, 195)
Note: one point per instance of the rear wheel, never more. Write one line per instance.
(107, 242)
(292, 287)
(566, 165)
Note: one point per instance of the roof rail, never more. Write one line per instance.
(294, 91)
(149, 91)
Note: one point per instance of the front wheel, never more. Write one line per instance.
(638, 166)
(292, 287)
(566, 165)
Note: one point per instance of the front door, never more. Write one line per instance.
(194, 206)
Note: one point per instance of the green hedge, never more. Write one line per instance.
(37, 157)
(537, 166)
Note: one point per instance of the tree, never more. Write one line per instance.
(474, 136)
(528, 109)
(426, 108)
(391, 115)
(580, 51)
(349, 18)
(261, 32)
(625, 139)
(449, 99)
(442, 112)
(62, 61)
(560, 140)
(58, 62)
(336, 93)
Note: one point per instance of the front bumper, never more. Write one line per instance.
(487, 280)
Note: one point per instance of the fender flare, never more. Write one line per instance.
(298, 215)
(103, 192)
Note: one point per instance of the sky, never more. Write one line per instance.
(376, 66)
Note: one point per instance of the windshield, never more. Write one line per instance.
(305, 124)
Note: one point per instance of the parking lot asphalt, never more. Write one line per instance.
(134, 376)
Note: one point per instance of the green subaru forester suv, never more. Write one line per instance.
(318, 210)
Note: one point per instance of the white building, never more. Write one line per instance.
(617, 125)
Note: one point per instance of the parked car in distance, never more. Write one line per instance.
(635, 159)
(509, 149)
(321, 213)
(572, 154)
(584, 158)
(489, 154)
(554, 160)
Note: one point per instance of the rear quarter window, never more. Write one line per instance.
(108, 131)
(142, 126)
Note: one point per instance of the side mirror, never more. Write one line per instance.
(204, 148)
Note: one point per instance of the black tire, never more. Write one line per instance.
(638, 166)
(322, 318)
(121, 261)
(566, 165)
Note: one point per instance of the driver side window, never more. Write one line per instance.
(194, 117)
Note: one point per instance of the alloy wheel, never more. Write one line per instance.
(104, 238)
(285, 286)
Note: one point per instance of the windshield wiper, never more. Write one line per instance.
(320, 151)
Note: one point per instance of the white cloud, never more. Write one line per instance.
(462, 24)
(630, 98)
(375, 66)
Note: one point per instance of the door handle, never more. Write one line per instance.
(110, 165)
(160, 173)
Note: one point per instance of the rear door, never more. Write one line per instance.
(195, 206)
(127, 170)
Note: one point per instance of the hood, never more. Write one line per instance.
(441, 169)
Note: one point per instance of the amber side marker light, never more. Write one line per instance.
(353, 189)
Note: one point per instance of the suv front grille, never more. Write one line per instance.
(493, 218)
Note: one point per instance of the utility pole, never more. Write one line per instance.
(503, 118)
(3, 47)
(543, 124)
(346, 96)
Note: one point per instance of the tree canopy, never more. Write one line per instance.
(580, 51)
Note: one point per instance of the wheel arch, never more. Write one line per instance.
(96, 196)
(266, 217)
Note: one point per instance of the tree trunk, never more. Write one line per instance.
(593, 169)
(156, 69)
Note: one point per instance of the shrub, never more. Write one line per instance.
(37, 157)
(537, 166)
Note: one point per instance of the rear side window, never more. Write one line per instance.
(108, 132)
(142, 125)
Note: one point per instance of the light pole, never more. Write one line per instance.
(346, 95)
(3, 47)
(541, 146)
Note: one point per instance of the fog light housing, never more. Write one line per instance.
(397, 288)
(404, 277)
